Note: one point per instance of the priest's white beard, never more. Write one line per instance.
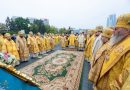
(115, 39)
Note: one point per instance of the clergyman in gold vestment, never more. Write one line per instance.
(117, 57)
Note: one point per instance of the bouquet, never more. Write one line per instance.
(7, 58)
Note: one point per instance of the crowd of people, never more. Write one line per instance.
(106, 49)
(109, 55)
(24, 47)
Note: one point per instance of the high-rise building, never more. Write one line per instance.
(111, 20)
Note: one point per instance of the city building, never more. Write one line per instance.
(111, 20)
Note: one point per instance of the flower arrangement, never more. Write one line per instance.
(7, 58)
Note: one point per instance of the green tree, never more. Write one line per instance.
(52, 29)
(21, 23)
(24, 24)
(64, 31)
(7, 22)
(18, 24)
(38, 26)
(12, 25)
(47, 27)
(2, 26)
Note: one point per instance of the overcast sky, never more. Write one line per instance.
(65, 13)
